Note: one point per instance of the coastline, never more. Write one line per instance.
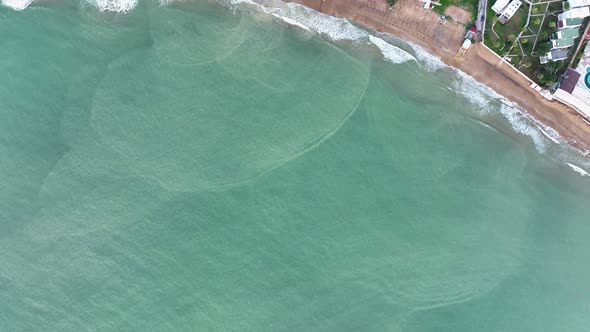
(409, 21)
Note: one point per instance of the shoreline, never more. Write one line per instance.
(409, 21)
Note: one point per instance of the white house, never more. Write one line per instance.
(499, 6)
(555, 55)
(577, 3)
(569, 23)
(579, 12)
(509, 11)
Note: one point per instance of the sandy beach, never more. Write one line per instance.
(408, 20)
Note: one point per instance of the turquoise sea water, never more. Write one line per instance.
(210, 167)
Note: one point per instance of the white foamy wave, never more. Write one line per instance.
(477, 93)
(291, 22)
(295, 14)
(482, 96)
(390, 52)
(120, 6)
(547, 134)
(17, 4)
(578, 169)
(430, 61)
(331, 27)
(164, 3)
(521, 123)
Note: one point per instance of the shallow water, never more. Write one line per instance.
(213, 167)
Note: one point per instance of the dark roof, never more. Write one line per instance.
(570, 79)
(559, 54)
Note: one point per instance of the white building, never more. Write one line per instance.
(577, 3)
(579, 12)
(555, 55)
(509, 11)
(569, 23)
(499, 6)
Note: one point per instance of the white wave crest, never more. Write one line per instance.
(17, 4)
(523, 124)
(578, 169)
(119, 6)
(483, 97)
(331, 27)
(390, 52)
(291, 22)
(430, 61)
(295, 14)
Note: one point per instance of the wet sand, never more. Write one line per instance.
(408, 20)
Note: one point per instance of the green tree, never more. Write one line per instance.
(543, 48)
(579, 55)
(552, 24)
(537, 21)
(548, 78)
(544, 36)
(552, 67)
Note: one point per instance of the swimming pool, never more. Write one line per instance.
(587, 78)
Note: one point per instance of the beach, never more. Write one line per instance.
(408, 20)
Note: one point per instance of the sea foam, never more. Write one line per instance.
(120, 6)
(17, 4)
(390, 52)
(578, 169)
(546, 140)
(332, 28)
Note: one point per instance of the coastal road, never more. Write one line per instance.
(481, 17)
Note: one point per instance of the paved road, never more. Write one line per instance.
(481, 16)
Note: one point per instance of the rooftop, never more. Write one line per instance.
(509, 11)
(578, 3)
(512, 7)
(562, 42)
(570, 79)
(558, 54)
(569, 22)
(568, 33)
(500, 5)
(579, 12)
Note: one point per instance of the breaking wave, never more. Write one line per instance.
(578, 169)
(545, 139)
(120, 6)
(390, 52)
(332, 28)
(17, 4)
